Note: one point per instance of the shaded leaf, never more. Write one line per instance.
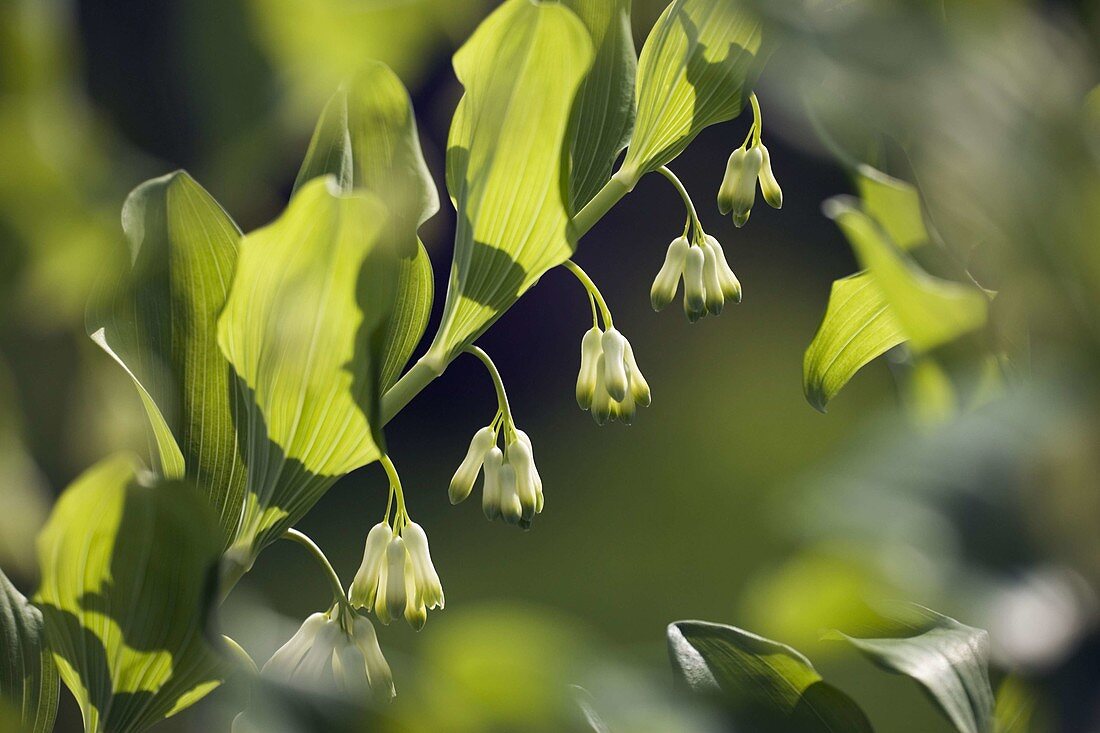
(303, 330)
(28, 676)
(894, 204)
(26, 496)
(697, 68)
(950, 660)
(128, 574)
(1014, 709)
(603, 112)
(506, 169)
(367, 138)
(160, 328)
(858, 327)
(764, 684)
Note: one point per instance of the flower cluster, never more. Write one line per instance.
(747, 166)
(708, 279)
(512, 487)
(609, 382)
(396, 576)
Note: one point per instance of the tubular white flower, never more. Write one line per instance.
(667, 281)
(510, 507)
(591, 349)
(463, 482)
(350, 670)
(726, 192)
(601, 401)
(520, 458)
(416, 613)
(286, 659)
(369, 577)
(639, 387)
(490, 497)
(715, 298)
(616, 380)
(391, 599)
(378, 670)
(624, 410)
(744, 194)
(731, 286)
(695, 293)
(536, 479)
(315, 668)
(769, 186)
(429, 589)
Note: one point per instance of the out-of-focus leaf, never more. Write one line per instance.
(858, 327)
(159, 325)
(26, 497)
(367, 138)
(28, 676)
(303, 328)
(696, 69)
(894, 204)
(1014, 709)
(949, 659)
(506, 169)
(603, 113)
(764, 684)
(928, 393)
(128, 574)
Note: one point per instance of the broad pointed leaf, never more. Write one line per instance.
(894, 204)
(764, 684)
(367, 139)
(128, 574)
(303, 330)
(507, 170)
(29, 683)
(160, 328)
(697, 68)
(858, 327)
(949, 659)
(603, 113)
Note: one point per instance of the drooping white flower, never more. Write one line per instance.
(390, 600)
(769, 186)
(466, 475)
(667, 281)
(370, 578)
(588, 373)
(422, 587)
(490, 496)
(695, 291)
(746, 168)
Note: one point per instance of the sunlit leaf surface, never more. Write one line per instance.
(894, 204)
(603, 113)
(949, 659)
(160, 327)
(506, 172)
(128, 575)
(696, 69)
(764, 684)
(303, 330)
(29, 683)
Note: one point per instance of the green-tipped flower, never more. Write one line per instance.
(422, 587)
(616, 379)
(619, 386)
(370, 580)
(466, 475)
(769, 186)
(511, 509)
(521, 459)
(667, 281)
(727, 192)
(715, 297)
(587, 376)
(695, 291)
(744, 189)
(391, 597)
(639, 388)
(490, 493)
(727, 280)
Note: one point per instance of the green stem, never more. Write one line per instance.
(302, 539)
(498, 383)
(667, 173)
(757, 119)
(395, 487)
(612, 193)
(593, 291)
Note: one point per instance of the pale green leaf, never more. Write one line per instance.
(894, 204)
(29, 684)
(367, 138)
(303, 329)
(603, 113)
(858, 327)
(1015, 708)
(128, 574)
(931, 311)
(950, 660)
(26, 495)
(160, 327)
(697, 68)
(764, 684)
(506, 168)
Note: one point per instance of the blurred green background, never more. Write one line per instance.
(729, 500)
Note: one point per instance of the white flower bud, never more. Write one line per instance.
(601, 400)
(392, 601)
(729, 182)
(378, 670)
(667, 281)
(490, 497)
(769, 186)
(420, 559)
(639, 388)
(463, 482)
(285, 660)
(591, 349)
(616, 380)
(535, 477)
(519, 457)
(744, 194)
(715, 299)
(368, 578)
(625, 409)
(731, 286)
(510, 507)
(695, 292)
(416, 613)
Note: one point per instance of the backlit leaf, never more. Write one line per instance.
(303, 330)
(128, 575)
(697, 68)
(858, 327)
(949, 659)
(894, 204)
(29, 683)
(1014, 709)
(603, 113)
(765, 685)
(160, 328)
(506, 171)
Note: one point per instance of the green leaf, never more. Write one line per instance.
(367, 138)
(128, 574)
(28, 675)
(858, 327)
(603, 113)
(26, 496)
(1014, 709)
(893, 203)
(303, 329)
(697, 68)
(160, 328)
(506, 168)
(949, 659)
(764, 684)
